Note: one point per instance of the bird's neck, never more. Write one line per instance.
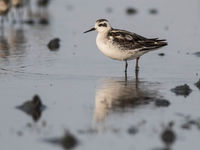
(101, 37)
(103, 34)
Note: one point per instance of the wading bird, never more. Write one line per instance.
(4, 9)
(123, 45)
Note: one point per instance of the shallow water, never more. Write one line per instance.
(86, 91)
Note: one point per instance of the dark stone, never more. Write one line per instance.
(161, 54)
(153, 11)
(29, 22)
(186, 126)
(198, 84)
(162, 103)
(198, 123)
(183, 90)
(44, 21)
(68, 141)
(132, 130)
(197, 54)
(190, 122)
(33, 108)
(168, 136)
(131, 11)
(43, 3)
(20, 133)
(54, 44)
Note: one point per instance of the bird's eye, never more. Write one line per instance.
(103, 25)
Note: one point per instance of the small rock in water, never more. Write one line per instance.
(183, 90)
(29, 22)
(197, 54)
(54, 44)
(132, 130)
(44, 21)
(198, 123)
(198, 84)
(33, 108)
(43, 3)
(186, 126)
(20, 133)
(68, 141)
(153, 11)
(162, 103)
(168, 136)
(131, 11)
(189, 122)
(161, 54)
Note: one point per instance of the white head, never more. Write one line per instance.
(101, 26)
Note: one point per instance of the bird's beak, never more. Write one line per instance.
(89, 30)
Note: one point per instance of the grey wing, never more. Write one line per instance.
(132, 41)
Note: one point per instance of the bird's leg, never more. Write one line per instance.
(29, 11)
(2, 22)
(12, 14)
(39, 12)
(126, 66)
(136, 66)
(1, 27)
(21, 14)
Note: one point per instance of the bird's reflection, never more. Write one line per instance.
(4, 47)
(17, 40)
(13, 43)
(116, 94)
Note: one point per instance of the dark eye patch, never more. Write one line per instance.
(103, 25)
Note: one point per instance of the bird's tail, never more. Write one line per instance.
(160, 43)
(152, 44)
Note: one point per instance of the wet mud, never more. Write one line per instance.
(183, 90)
(88, 93)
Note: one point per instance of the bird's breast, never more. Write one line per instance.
(107, 48)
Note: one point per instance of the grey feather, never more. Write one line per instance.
(132, 41)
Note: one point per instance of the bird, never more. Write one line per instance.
(4, 9)
(123, 45)
(18, 5)
(43, 11)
